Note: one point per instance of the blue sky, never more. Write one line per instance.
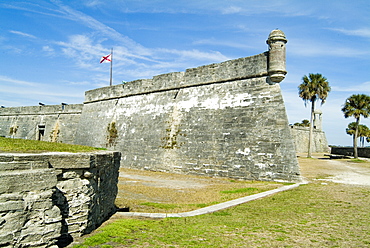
(50, 50)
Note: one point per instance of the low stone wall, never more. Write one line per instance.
(48, 199)
(348, 151)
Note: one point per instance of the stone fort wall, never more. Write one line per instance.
(301, 136)
(218, 120)
(56, 123)
(226, 119)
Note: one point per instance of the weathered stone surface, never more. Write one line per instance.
(11, 206)
(23, 161)
(45, 207)
(26, 225)
(19, 181)
(236, 129)
(6, 239)
(70, 160)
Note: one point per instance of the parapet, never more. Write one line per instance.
(237, 69)
(45, 109)
(271, 64)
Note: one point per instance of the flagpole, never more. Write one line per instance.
(111, 65)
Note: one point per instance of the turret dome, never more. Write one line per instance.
(317, 111)
(276, 34)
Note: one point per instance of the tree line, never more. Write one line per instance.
(315, 87)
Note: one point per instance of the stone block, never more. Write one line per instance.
(11, 197)
(6, 239)
(11, 206)
(31, 180)
(12, 222)
(72, 174)
(52, 215)
(70, 160)
(4, 166)
(6, 159)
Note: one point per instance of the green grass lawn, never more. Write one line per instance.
(35, 146)
(312, 215)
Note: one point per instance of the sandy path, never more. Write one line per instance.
(320, 168)
(335, 170)
(352, 174)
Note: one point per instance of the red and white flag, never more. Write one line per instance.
(106, 59)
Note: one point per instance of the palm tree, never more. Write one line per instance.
(351, 129)
(313, 88)
(304, 123)
(356, 106)
(363, 132)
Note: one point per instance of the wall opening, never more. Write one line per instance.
(41, 132)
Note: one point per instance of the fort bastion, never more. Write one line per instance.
(226, 119)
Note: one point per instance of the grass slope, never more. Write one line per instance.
(313, 215)
(36, 146)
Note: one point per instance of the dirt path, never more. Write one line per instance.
(161, 180)
(335, 170)
(148, 191)
(318, 168)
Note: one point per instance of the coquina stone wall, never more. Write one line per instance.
(48, 199)
(225, 119)
(56, 123)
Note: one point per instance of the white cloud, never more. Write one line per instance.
(48, 49)
(32, 7)
(93, 3)
(5, 79)
(215, 42)
(361, 88)
(231, 10)
(23, 34)
(250, 7)
(79, 83)
(101, 28)
(362, 32)
(314, 48)
(194, 54)
(32, 92)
